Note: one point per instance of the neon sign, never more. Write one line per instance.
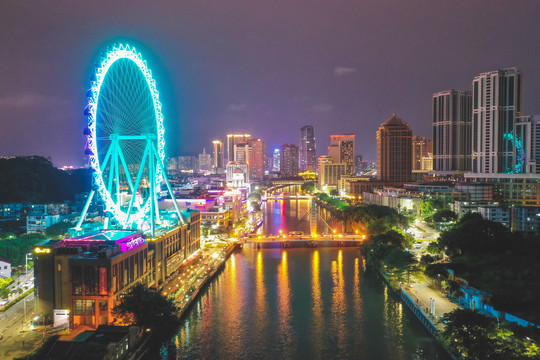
(42, 251)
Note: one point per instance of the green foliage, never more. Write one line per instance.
(308, 187)
(334, 192)
(477, 337)
(495, 260)
(14, 250)
(4, 287)
(22, 296)
(35, 179)
(149, 310)
(58, 230)
(429, 206)
(444, 215)
(387, 252)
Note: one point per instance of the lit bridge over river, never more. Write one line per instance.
(302, 241)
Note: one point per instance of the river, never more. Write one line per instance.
(299, 304)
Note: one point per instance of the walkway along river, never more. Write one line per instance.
(299, 304)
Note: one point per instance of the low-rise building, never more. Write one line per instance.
(38, 223)
(5, 269)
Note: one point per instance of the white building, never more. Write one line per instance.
(497, 100)
(5, 269)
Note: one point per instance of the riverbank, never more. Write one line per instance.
(425, 311)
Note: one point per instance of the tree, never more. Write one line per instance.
(444, 215)
(59, 229)
(308, 187)
(334, 192)
(149, 310)
(429, 206)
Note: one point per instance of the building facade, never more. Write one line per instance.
(219, 156)
(256, 159)
(289, 160)
(394, 151)
(452, 113)
(342, 150)
(232, 140)
(422, 148)
(497, 101)
(307, 152)
(276, 157)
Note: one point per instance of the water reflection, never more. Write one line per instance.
(317, 307)
(300, 304)
(285, 331)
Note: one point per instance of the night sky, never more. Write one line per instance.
(263, 67)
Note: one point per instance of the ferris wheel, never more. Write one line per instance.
(125, 139)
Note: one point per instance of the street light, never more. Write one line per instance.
(26, 263)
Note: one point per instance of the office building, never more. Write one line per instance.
(232, 140)
(452, 113)
(497, 101)
(256, 159)
(342, 150)
(205, 161)
(289, 160)
(422, 148)
(307, 152)
(330, 172)
(219, 156)
(394, 150)
(276, 157)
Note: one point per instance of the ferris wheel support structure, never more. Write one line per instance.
(125, 141)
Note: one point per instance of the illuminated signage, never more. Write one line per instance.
(42, 251)
(138, 241)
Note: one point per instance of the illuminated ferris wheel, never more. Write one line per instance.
(125, 139)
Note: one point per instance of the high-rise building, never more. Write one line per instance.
(422, 148)
(219, 155)
(205, 161)
(307, 155)
(343, 147)
(357, 164)
(394, 150)
(276, 157)
(497, 100)
(526, 139)
(330, 172)
(452, 113)
(257, 159)
(233, 139)
(241, 152)
(289, 160)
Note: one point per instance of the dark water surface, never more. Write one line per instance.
(300, 304)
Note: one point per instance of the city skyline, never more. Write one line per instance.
(365, 64)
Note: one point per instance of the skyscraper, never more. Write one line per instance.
(343, 147)
(422, 148)
(276, 157)
(256, 159)
(527, 145)
(452, 112)
(289, 160)
(307, 155)
(394, 150)
(219, 155)
(233, 139)
(205, 161)
(497, 100)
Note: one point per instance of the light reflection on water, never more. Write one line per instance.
(300, 304)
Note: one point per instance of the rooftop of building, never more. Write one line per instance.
(395, 121)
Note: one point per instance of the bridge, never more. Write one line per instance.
(289, 186)
(302, 241)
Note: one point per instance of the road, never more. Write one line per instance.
(17, 338)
